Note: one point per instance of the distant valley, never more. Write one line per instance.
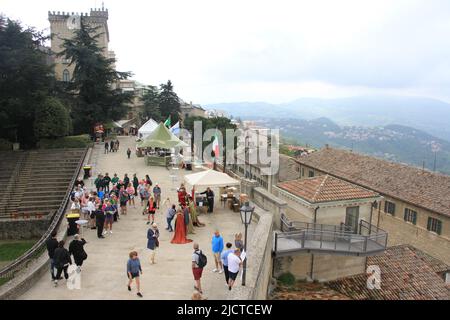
(412, 130)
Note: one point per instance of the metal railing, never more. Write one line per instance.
(11, 270)
(342, 239)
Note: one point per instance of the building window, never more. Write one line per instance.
(434, 225)
(410, 216)
(310, 173)
(66, 75)
(389, 207)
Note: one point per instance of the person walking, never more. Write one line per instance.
(134, 269)
(209, 198)
(151, 210)
(152, 241)
(198, 263)
(224, 258)
(170, 215)
(217, 248)
(157, 195)
(111, 146)
(52, 245)
(100, 221)
(62, 261)
(117, 145)
(76, 248)
(234, 264)
(129, 153)
(106, 147)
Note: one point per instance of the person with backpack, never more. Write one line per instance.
(76, 248)
(62, 261)
(199, 262)
(52, 245)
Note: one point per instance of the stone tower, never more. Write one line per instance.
(62, 26)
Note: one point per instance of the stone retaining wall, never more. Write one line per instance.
(23, 229)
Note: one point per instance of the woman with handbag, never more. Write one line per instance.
(152, 241)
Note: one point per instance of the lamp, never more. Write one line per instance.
(246, 218)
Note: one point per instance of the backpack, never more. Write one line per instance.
(202, 259)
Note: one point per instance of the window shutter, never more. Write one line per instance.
(439, 227)
(429, 224)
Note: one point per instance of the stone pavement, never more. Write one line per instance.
(104, 272)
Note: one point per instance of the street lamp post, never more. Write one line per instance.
(246, 218)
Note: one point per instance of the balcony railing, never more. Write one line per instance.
(297, 237)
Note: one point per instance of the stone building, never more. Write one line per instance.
(416, 205)
(62, 26)
(331, 217)
(190, 110)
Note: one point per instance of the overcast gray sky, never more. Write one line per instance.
(273, 51)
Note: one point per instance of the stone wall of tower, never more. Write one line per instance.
(60, 30)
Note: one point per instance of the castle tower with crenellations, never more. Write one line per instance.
(62, 27)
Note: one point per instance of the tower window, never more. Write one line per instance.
(66, 75)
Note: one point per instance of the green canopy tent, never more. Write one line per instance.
(161, 137)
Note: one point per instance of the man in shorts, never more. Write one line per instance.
(234, 264)
(196, 270)
(217, 248)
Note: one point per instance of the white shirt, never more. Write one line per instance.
(233, 263)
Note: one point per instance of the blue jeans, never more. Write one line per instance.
(52, 269)
(169, 224)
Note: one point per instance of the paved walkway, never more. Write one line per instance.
(104, 272)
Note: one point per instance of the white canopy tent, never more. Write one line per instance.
(210, 178)
(147, 128)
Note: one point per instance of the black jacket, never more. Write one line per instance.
(52, 244)
(62, 257)
(99, 217)
(76, 249)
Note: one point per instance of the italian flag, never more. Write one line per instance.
(215, 146)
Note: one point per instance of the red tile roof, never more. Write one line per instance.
(419, 187)
(406, 274)
(325, 189)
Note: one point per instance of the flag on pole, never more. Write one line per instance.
(215, 146)
(176, 128)
(168, 122)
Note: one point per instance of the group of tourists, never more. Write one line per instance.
(112, 146)
(227, 260)
(61, 258)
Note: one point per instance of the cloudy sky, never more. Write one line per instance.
(273, 51)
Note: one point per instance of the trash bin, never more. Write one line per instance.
(87, 172)
(72, 219)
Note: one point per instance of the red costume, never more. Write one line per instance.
(180, 230)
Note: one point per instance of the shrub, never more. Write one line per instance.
(81, 141)
(5, 145)
(287, 279)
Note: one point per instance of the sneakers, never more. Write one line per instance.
(221, 271)
(139, 295)
(105, 232)
(215, 270)
(110, 231)
(129, 288)
(55, 283)
(148, 222)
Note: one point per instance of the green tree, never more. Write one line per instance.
(51, 119)
(94, 97)
(151, 105)
(169, 103)
(26, 80)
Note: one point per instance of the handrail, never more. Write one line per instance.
(10, 270)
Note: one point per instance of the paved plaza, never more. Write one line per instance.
(104, 272)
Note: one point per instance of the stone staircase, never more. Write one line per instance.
(38, 181)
